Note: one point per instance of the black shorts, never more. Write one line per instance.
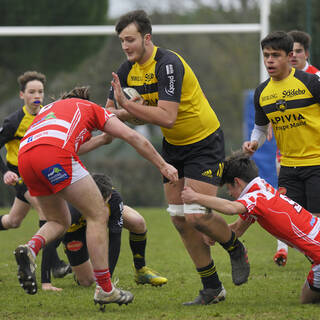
(302, 185)
(20, 188)
(202, 161)
(75, 239)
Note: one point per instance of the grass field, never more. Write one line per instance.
(271, 292)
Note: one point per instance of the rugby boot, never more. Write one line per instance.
(26, 269)
(147, 276)
(208, 296)
(117, 295)
(280, 258)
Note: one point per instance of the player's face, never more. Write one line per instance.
(33, 95)
(299, 56)
(277, 63)
(133, 44)
(234, 189)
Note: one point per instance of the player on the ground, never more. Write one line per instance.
(120, 215)
(276, 213)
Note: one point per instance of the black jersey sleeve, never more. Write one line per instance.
(261, 118)
(314, 87)
(7, 132)
(170, 72)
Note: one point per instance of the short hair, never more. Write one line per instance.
(278, 40)
(104, 184)
(77, 92)
(30, 76)
(301, 37)
(139, 18)
(238, 165)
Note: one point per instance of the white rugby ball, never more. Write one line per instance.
(131, 93)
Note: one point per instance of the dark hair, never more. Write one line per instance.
(301, 37)
(278, 40)
(139, 18)
(104, 184)
(238, 165)
(30, 76)
(77, 92)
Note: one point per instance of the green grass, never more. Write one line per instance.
(271, 292)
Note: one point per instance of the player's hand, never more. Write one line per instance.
(170, 172)
(118, 93)
(50, 287)
(250, 147)
(188, 195)
(10, 178)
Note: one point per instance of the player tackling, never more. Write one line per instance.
(279, 215)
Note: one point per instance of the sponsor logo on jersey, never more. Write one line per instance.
(281, 105)
(169, 69)
(272, 96)
(312, 221)
(171, 88)
(287, 118)
(136, 78)
(55, 174)
(293, 92)
(50, 115)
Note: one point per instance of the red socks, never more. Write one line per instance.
(36, 243)
(103, 279)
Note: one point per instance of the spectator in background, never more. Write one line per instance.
(193, 142)
(31, 84)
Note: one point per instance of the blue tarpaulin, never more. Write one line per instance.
(264, 157)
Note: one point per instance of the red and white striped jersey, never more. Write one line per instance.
(282, 217)
(65, 123)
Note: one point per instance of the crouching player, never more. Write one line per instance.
(120, 215)
(276, 213)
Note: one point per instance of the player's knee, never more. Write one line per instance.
(13, 223)
(140, 225)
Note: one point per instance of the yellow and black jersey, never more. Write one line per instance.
(292, 105)
(115, 223)
(166, 76)
(12, 131)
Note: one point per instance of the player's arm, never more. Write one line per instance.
(224, 206)
(7, 134)
(94, 143)
(164, 115)
(240, 226)
(260, 130)
(118, 129)
(122, 114)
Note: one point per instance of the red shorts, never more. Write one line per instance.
(47, 169)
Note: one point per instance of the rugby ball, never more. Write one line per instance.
(131, 93)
